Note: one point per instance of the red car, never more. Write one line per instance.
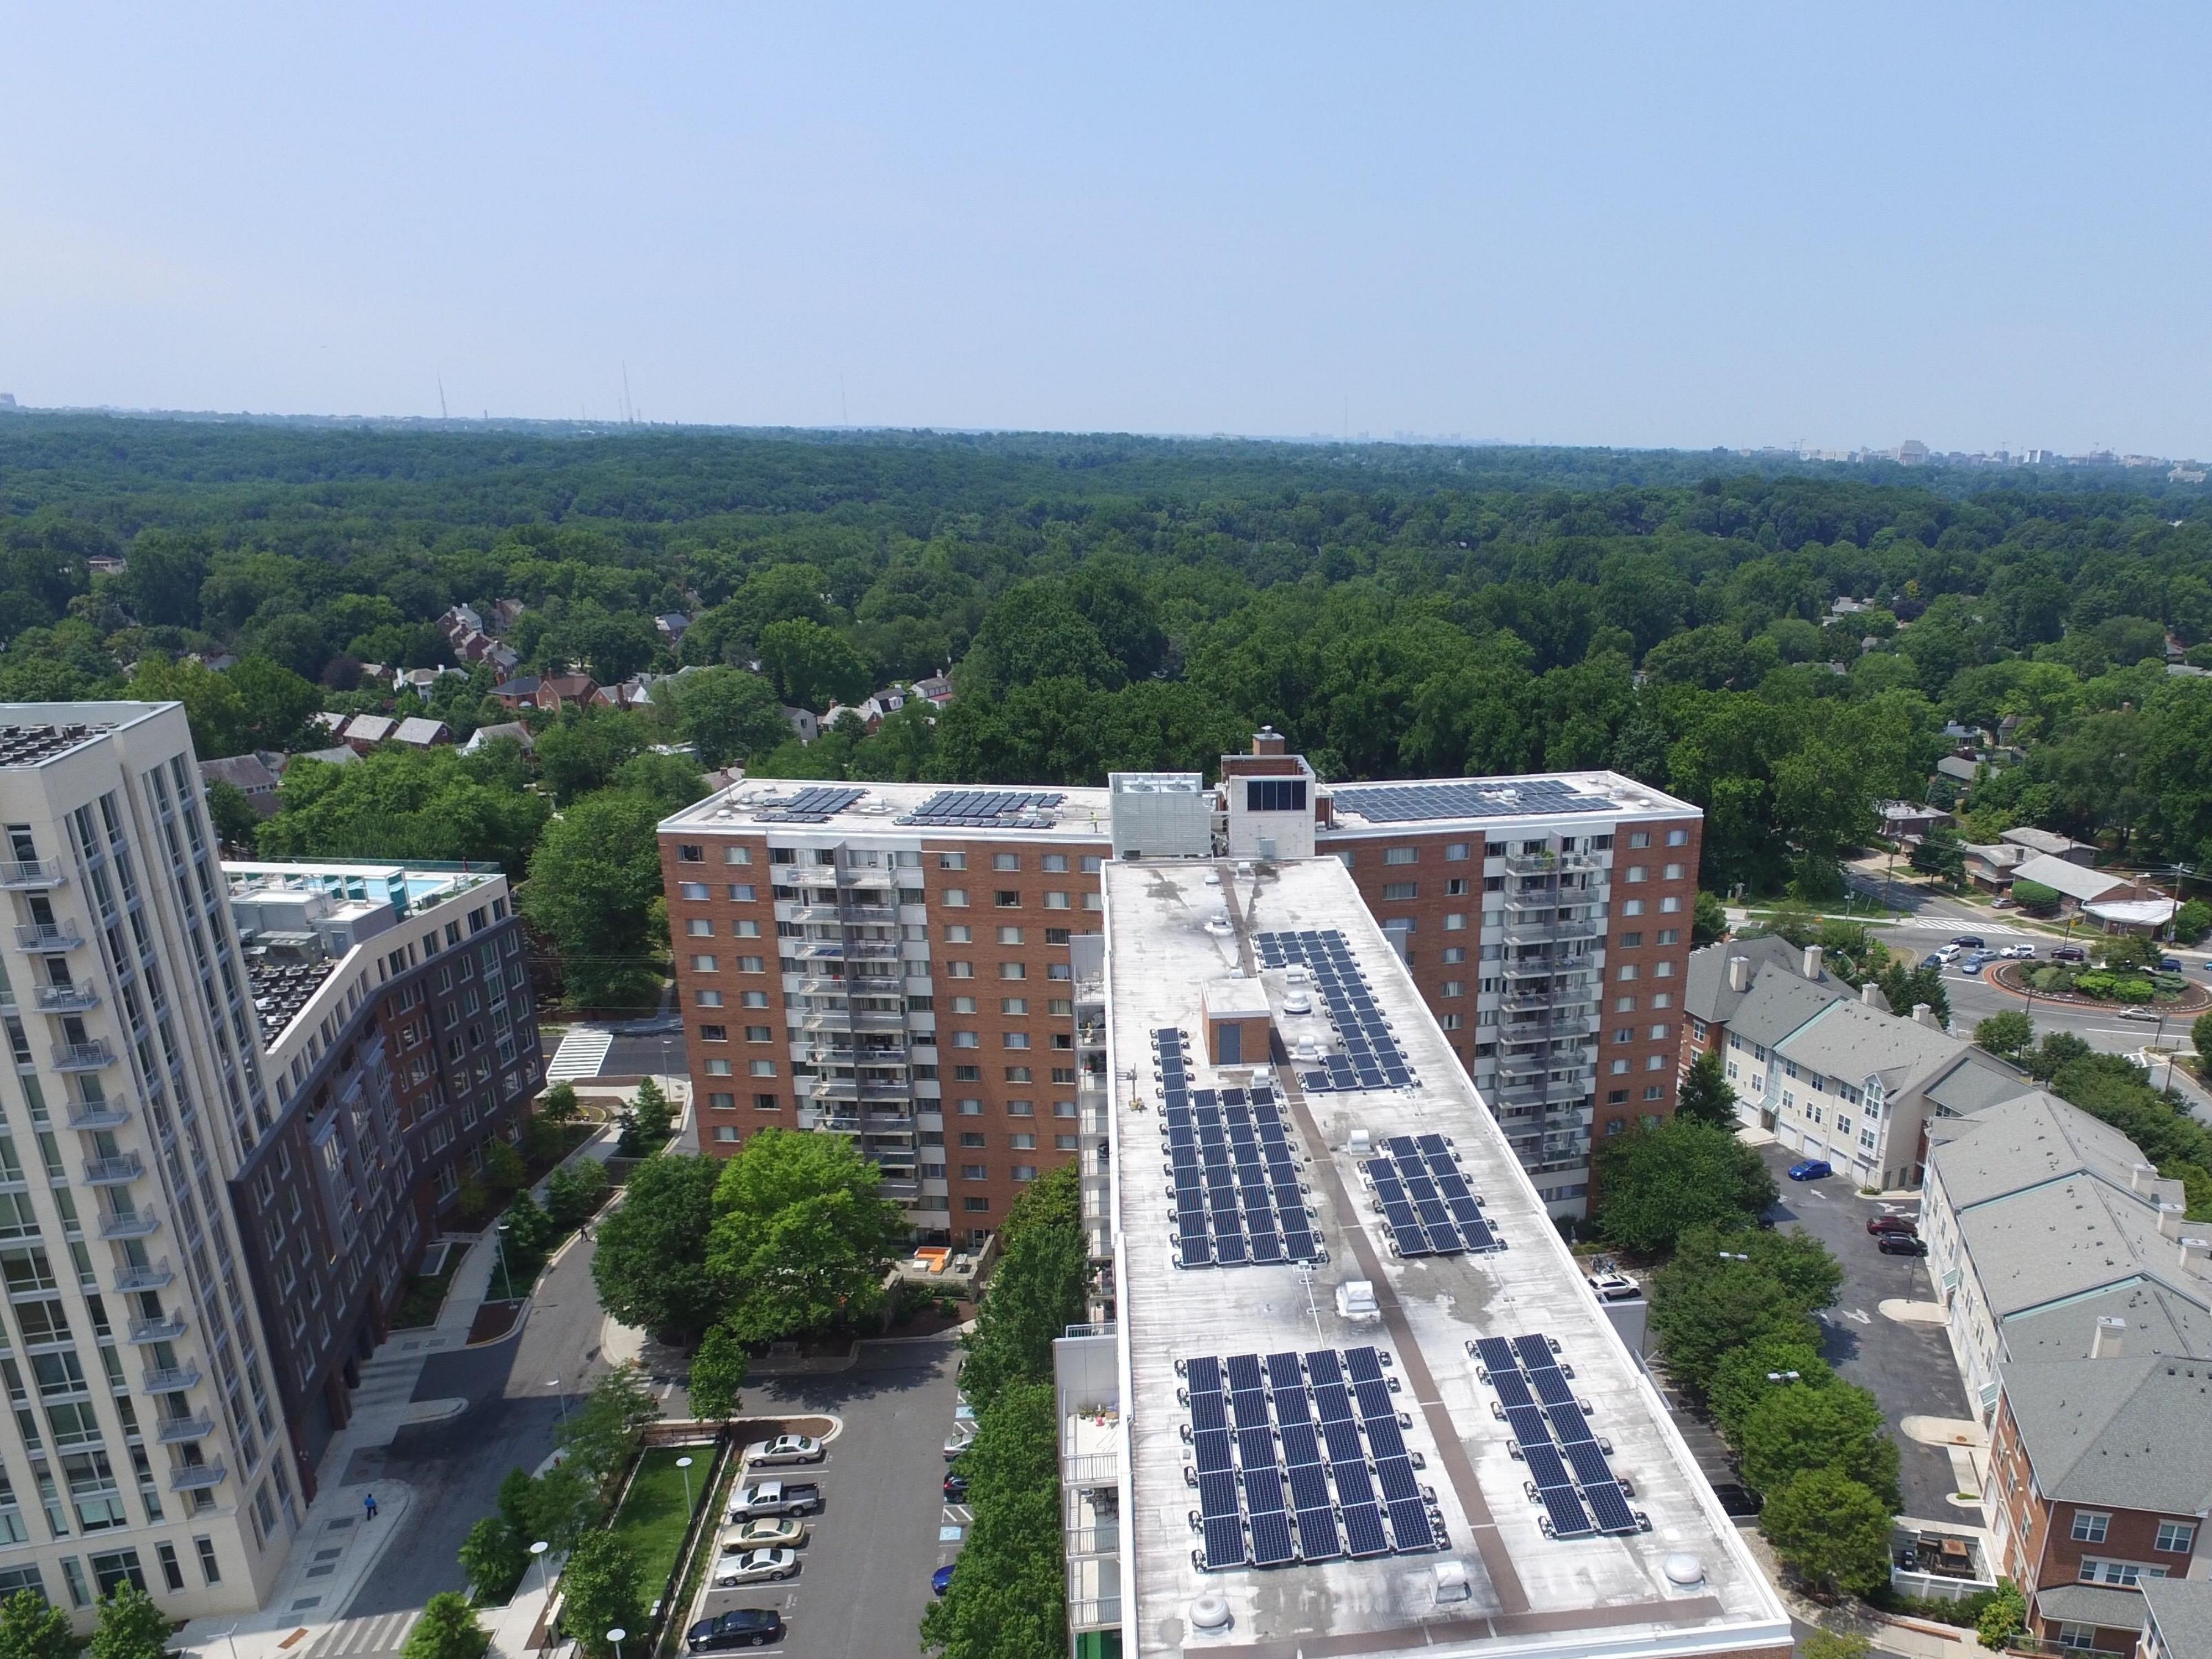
(1891, 1224)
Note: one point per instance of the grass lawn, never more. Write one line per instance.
(652, 1518)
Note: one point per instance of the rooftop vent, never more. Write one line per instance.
(1210, 1614)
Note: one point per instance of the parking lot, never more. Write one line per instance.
(864, 1573)
(1908, 1367)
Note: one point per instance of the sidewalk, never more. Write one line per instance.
(336, 1547)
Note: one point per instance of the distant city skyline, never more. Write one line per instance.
(1582, 226)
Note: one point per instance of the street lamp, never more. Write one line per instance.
(615, 1637)
(1734, 1255)
(1781, 1376)
(684, 1464)
(544, 1579)
(499, 1245)
(561, 1395)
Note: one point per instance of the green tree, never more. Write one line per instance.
(1034, 631)
(812, 666)
(2008, 1033)
(2200, 1039)
(726, 715)
(601, 1588)
(601, 1435)
(1705, 1095)
(2003, 1616)
(2192, 922)
(560, 1104)
(650, 1266)
(1008, 1596)
(1036, 1291)
(31, 1629)
(502, 1167)
(1829, 1645)
(646, 1120)
(130, 1626)
(1906, 988)
(1743, 1376)
(1701, 1315)
(236, 822)
(1794, 1260)
(1941, 853)
(1830, 1531)
(404, 804)
(1655, 1182)
(573, 1192)
(718, 1372)
(2034, 898)
(1796, 1428)
(446, 1630)
(1709, 923)
(800, 1236)
(594, 886)
(493, 1556)
(582, 751)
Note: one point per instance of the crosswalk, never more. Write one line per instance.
(363, 1639)
(581, 1053)
(1960, 925)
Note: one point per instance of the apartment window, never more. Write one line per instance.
(1022, 1143)
(964, 1005)
(1635, 872)
(722, 1102)
(1454, 851)
(1401, 854)
(704, 965)
(1616, 1097)
(2126, 1574)
(975, 1138)
(737, 856)
(1016, 1039)
(975, 1172)
(755, 999)
(976, 1205)
(1401, 889)
(1454, 1021)
(210, 1569)
(1019, 1074)
(1455, 987)
(1010, 936)
(1666, 999)
(1673, 873)
(1658, 1034)
(1670, 905)
(1630, 941)
(1670, 936)
(1654, 1091)
(714, 1034)
(2081, 1638)
(1092, 863)
(1013, 1004)
(1624, 1034)
(955, 898)
(1025, 1172)
(112, 1571)
(1274, 794)
(1055, 936)
(1456, 887)
(743, 892)
(959, 932)
(745, 929)
(1639, 838)
(2090, 1526)
(1455, 921)
(1678, 838)
(762, 1067)
(1627, 971)
(699, 927)
(952, 860)
(1493, 849)
(687, 855)
(1057, 902)
(1005, 860)
(960, 969)
(759, 1034)
(707, 999)
(1455, 953)
(1054, 864)
(1619, 1068)
(2175, 1537)
(726, 1134)
(970, 1107)
(1631, 907)
(967, 1040)
(1006, 898)
(1013, 971)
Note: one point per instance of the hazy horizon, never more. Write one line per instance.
(1586, 226)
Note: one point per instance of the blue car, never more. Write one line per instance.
(1813, 1169)
(941, 1580)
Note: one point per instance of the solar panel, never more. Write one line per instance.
(1271, 1540)
(1217, 1494)
(1410, 803)
(1395, 1476)
(1546, 1467)
(1210, 1450)
(1534, 1351)
(967, 809)
(1383, 1437)
(1317, 1535)
(1208, 1410)
(1409, 1527)
(1343, 1438)
(1353, 1484)
(814, 804)
(1363, 1531)
(1551, 1387)
(1568, 1518)
(1243, 1370)
(1323, 1366)
(1249, 1407)
(1224, 1543)
(1529, 1425)
(1512, 1388)
(1308, 1486)
(1263, 1491)
(1611, 1508)
(1301, 1444)
(1374, 1399)
(1203, 1375)
(1496, 1354)
(1569, 1424)
(1587, 1461)
(1362, 1365)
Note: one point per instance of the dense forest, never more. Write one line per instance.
(1120, 602)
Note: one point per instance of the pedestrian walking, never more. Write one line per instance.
(368, 1503)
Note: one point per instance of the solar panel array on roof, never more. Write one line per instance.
(1300, 1486)
(1371, 1057)
(1569, 1474)
(980, 809)
(817, 804)
(1425, 1203)
(1408, 803)
(1232, 1177)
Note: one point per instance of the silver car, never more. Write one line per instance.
(784, 1449)
(754, 1567)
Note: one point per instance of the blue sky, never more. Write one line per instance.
(1638, 225)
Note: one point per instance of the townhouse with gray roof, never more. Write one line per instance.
(2176, 1618)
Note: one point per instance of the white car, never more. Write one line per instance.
(959, 1441)
(785, 1449)
(1615, 1287)
(2018, 953)
(1944, 955)
(755, 1567)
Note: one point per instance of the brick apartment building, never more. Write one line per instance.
(892, 961)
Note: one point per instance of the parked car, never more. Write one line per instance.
(1615, 1287)
(2149, 1016)
(1901, 1244)
(755, 1567)
(958, 1442)
(786, 1448)
(956, 1488)
(761, 1497)
(1971, 941)
(1892, 1223)
(1811, 1169)
(1975, 962)
(2170, 965)
(740, 1628)
(770, 1533)
(2069, 953)
(941, 1580)
(2018, 953)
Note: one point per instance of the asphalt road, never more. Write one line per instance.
(455, 1467)
(864, 1579)
(1908, 1367)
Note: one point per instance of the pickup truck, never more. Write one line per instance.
(760, 1497)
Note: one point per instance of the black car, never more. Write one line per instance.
(1901, 1244)
(1738, 1501)
(1971, 941)
(740, 1628)
(2070, 953)
(956, 1488)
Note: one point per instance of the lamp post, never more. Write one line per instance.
(684, 1464)
(544, 1573)
(1781, 1376)
(615, 1637)
(499, 1245)
(1734, 1255)
(561, 1395)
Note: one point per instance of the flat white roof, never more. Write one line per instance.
(1167, 944)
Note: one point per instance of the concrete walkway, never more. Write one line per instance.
(338, 1545)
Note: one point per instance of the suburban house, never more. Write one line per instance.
(2116, 902)
(1720, 978)
(672, 626)
(1910, 821)
(802, 721)
(936, 688)
(525, 691)
(570, 687)
(485, 735)
(250, 776)
(2100, 1477)
(421, 681)
(422, 732)
(364, 732)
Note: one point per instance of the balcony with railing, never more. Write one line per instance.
(1541, 863)
(64, 999)
(1556, 927)
(167, 1329)
(171, 1379)
(83, 1056)
(128, 1224)
(116, 1171)
(155, 1276)
(172, 1431)
(98, 1114)
(196, 1477)
(48, 936)
(31, 875)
